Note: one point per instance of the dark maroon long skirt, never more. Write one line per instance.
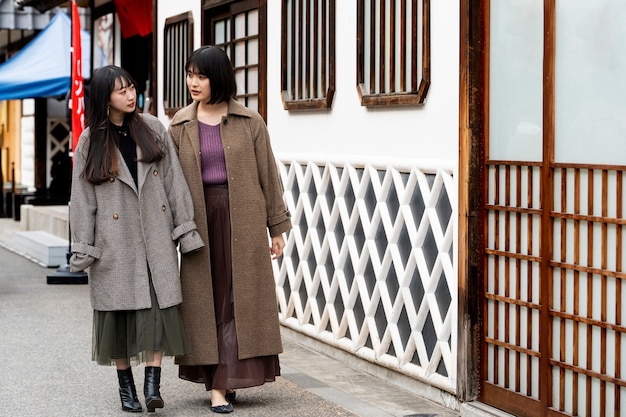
(231, 372)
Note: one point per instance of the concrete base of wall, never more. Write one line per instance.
(476, 409)
(50, 219)
(44, 248)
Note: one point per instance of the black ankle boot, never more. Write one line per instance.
(128, 394)
(151, 388)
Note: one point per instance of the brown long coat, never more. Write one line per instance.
(256, 207)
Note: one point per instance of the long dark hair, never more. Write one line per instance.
(212, 62)
(101, 163)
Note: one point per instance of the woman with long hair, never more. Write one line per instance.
(130, 211)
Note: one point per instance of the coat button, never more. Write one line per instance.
(112, 179)
(163, 208)
(155, 172)
(116, 216)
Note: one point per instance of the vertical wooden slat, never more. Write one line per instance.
(414, 51)
(392, 46)
(360, 42)
(402, 61)
(301, 47)
(315, 87)
(518, 283)
(529, 284)
(246, 70)
(330, 51)
(507, 270)
(323, 49)
(292, 59)
(425, 74)
(382, 39)
(372, 47)
(590, 293)
(603, 301)
(496, 276)
(576, 260)
(472, 177)
(618, 288)
(306, 57)
(563, 285)
(547, 187)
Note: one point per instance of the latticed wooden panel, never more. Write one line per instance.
(587, 320)
(369, 265)
(512, 279)
(559, 325)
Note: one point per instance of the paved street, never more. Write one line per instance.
(46, 368)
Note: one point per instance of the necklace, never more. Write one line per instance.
(121, 130)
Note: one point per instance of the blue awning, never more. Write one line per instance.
(42, 68)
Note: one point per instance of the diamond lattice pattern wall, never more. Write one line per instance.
(369, 265)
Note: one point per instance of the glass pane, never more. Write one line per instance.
(240, 26)
(515, 80)
(590, 116)
(253, 81)
(240, 78)
(253, 52)
(253, 22)
(240, 54)
(220, 31)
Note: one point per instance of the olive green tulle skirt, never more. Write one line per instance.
(135, 335)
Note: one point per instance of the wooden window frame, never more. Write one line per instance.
(383, 71)
(175, 95)
(308, 67)
(218, 9)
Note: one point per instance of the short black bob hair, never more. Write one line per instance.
(212, 62)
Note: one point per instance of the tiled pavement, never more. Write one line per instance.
(46, 368)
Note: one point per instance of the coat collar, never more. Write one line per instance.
(124, 174)
(189, 113)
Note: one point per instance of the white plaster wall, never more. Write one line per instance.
(429, 131)
(348, 130)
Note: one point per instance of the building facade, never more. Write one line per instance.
(455, 173)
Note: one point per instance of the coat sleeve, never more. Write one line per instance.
(177, 190)
(278, 217)
(82, 212)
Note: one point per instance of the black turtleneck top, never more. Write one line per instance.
(127, 148)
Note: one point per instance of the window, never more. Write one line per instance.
(239, 28)
(393, 51)
(177, 48)
(308, 54)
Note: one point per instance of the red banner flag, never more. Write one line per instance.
(77, 89)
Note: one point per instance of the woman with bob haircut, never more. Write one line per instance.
(130, 211)
(229, 310)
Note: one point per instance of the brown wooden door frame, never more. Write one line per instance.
(472, 85)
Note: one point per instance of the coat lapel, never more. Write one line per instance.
(143, 168)
(191, 139)
(123, 171)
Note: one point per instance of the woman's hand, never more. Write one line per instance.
(276, 250)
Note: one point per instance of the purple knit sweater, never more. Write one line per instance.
(212, 155)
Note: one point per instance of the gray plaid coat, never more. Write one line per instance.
(126, 233)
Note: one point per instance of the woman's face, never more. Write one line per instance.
(123, 99)
(199, 86)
